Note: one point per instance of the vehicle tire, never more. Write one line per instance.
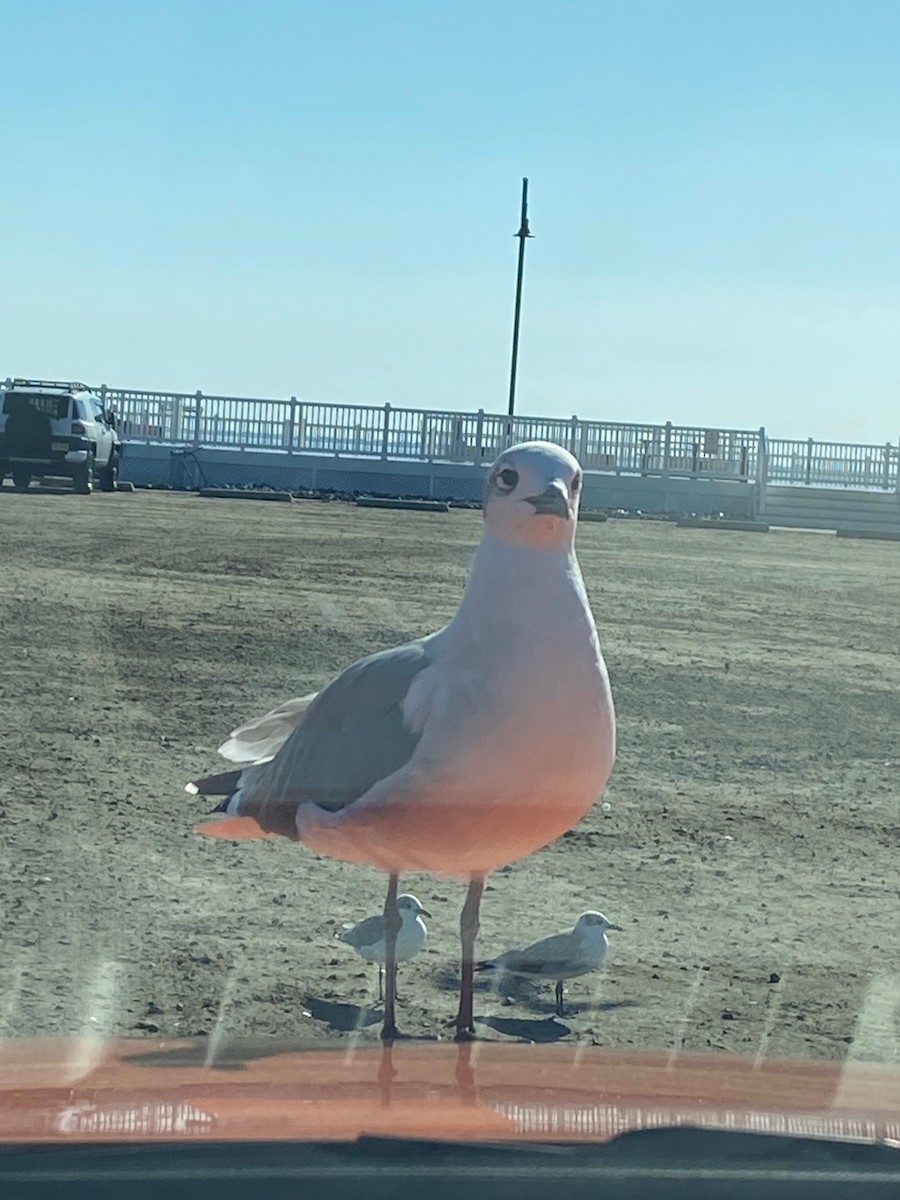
(21, 478)
(109, 474)
(83, 476)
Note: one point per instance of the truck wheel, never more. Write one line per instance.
(109, 474)
(21, 478)
(83, 476)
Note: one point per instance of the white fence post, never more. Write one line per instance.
(583, 443)
(573, 435)
(385, 435)
(667, 449)
(762, 471)
(479, 437)
(198, 417)
(292, 425)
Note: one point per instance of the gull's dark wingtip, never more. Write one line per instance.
(223, 784)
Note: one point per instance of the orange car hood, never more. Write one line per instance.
(91, 1089)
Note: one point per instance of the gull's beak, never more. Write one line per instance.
(423, 912)
(554, 501)
(618, 928)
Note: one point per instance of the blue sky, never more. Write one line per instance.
(319, 199)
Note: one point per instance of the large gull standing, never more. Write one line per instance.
(461, 751)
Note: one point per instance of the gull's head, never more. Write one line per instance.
(410, 908)
(531, 496)
(595, 924)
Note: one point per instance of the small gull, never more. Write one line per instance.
(560, 956)
(367, 937)
(458, 752)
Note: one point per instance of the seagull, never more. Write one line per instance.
(458, 752)
(367, 937)
(560, 956)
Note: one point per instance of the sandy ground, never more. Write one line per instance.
(749, 850)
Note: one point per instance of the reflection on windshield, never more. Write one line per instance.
(748, 822)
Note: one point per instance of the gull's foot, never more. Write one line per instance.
(465, 1029)
(390, 1033)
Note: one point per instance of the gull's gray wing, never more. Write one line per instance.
(543, 968)
(551, 957)
(364, 933)
(352, 736)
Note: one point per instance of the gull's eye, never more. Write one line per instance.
(576, 484)
(508, 478)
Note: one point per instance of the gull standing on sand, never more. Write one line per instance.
(560, 956)
(367, 937)
(459, 752)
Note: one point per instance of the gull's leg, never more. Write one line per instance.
(392, 924)
(468, 931)
(560, 1007)
(380, 985)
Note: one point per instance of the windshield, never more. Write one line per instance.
(478, 625)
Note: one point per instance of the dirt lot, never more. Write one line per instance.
(749, 850)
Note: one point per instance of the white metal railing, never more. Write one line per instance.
(298, 426)
(843, 464)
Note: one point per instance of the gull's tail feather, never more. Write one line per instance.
(244, 810)
(229, 785)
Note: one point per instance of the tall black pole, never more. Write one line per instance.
(524, 232)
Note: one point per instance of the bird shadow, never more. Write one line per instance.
(534, 996)
(529, 1029)
(552, 1027)
(234, 1055)
(350, 1018)
(342, 1018)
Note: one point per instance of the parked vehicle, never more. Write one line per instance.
(59, 429)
